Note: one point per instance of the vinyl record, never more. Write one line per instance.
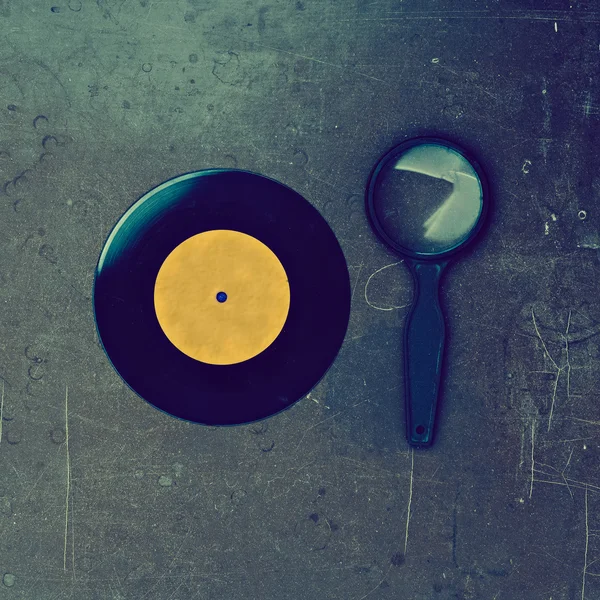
(221, 297)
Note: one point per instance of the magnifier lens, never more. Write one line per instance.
(425, 200)
(428, 198)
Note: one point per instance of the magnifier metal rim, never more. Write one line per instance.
(372, 183)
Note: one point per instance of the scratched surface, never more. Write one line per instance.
(103, 497)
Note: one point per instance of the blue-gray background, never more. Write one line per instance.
(102, 100)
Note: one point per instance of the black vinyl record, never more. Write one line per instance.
(234, 201)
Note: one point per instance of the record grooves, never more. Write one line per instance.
(293, 333)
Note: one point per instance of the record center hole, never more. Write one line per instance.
(420, 429)
(221, 297)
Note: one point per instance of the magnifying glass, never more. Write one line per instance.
(427, 200)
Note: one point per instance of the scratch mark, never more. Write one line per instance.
(567, 356)
(410, 493)
(120, 585)
(541, 464)
(438, 15)
(367, 287)
(72, 541)
(587, 107)
(371, 591)
(587, 541)
(368, 399)
(562, 473)
(1, 409)
(55, 76)
(585, 484)
(568, 461)
(532, 459)
(577, 487)
(455, 525)
(357, 279)
(68, 494)
(175, 591)
(567, 366)
(585, 421)
(358, 337)
(166, 574)
(558, 473)
(522, 453)
(559, 370)
(553, 400)
(547, 108)
(317, 424)
(322, 62)
(32, 488)
(367, 466)
(537, 331)
(15, 470)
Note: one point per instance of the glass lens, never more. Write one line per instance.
(428, 198)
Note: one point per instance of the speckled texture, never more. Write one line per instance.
(102, 100)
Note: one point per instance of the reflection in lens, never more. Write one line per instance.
(428, 198)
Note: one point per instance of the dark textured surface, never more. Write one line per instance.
(100, 101)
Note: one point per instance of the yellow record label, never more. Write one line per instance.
(222, 297)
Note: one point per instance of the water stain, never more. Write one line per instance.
(57, 435)
(227, 68)
(300, 158)
(165, 481)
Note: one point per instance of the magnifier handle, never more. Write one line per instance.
(424, 335)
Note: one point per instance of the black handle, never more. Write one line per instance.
(424, 335)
